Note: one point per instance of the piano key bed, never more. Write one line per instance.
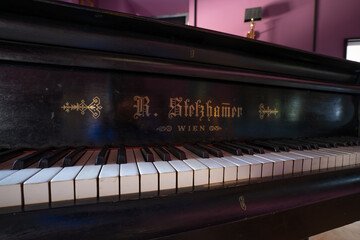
(82, 176)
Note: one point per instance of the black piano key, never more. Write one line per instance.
(147, 154)
(7, 155)
(102, 156)
(228, 148)
(331, 143)
(244, 147)
(266, 145)
(53, 157)
(197, 150)
(163, 154)
(176, 152)
(289, 144)
(255, 149)
(342, 142)
(307, 144)
(211, 150)
(30, 159)
(304, 145)
(318, 143)
(121, 157)
(355, 140)
(73, 157)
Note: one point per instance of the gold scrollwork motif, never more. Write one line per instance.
(94, 107)
(215, 128)
(266, 111)
(167, 128)
(242, 203)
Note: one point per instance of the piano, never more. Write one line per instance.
(122, 127)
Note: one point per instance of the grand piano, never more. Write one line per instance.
(152, 100)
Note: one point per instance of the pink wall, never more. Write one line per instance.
(145, 7)
(118, 6)
(337, 20)
(288, 23)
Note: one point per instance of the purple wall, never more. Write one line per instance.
(288, 23)
(337, 20)
(145, 7)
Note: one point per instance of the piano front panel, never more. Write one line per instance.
(54, 106)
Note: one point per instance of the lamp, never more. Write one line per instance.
(252, 14)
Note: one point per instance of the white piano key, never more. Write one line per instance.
(216, 171)
(230, 169)
(129, 180)
(352, 158)
(167, 177)
(62, 185)
(138, 155)
(184, 174)
(320, 161)
(112, 158)
(36, 188)
(149, 181)
(299, 162)
(315, 159)
(348, 155)
(302, 163)
(278, 164)
(130, 157)
(255, 165)
(267, 166)
(341, 157)
(156, 156)
(109, 180)
(243, 168)
(335, 160)
(201, 172)
(86, 182)
(326, 160)
(6, 173)
(288, 163)
(10, 187)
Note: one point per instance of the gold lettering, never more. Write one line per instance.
(202, 128)
(208, 110)
(181, 128)
(217, 111)
(186, 107)
(233, 112)
(191, 110)
(225, 110)
(239, 111)
(195, 128)
(199, 112)
(175, 107)
(142, 106)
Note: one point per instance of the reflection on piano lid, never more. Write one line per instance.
(114, 126)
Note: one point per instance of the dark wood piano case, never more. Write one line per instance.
(72, 75)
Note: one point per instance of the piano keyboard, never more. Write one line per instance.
(64, 176)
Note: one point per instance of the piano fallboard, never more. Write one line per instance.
(55, 106)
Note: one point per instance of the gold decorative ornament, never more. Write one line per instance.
(266, 111)
(94, 107)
